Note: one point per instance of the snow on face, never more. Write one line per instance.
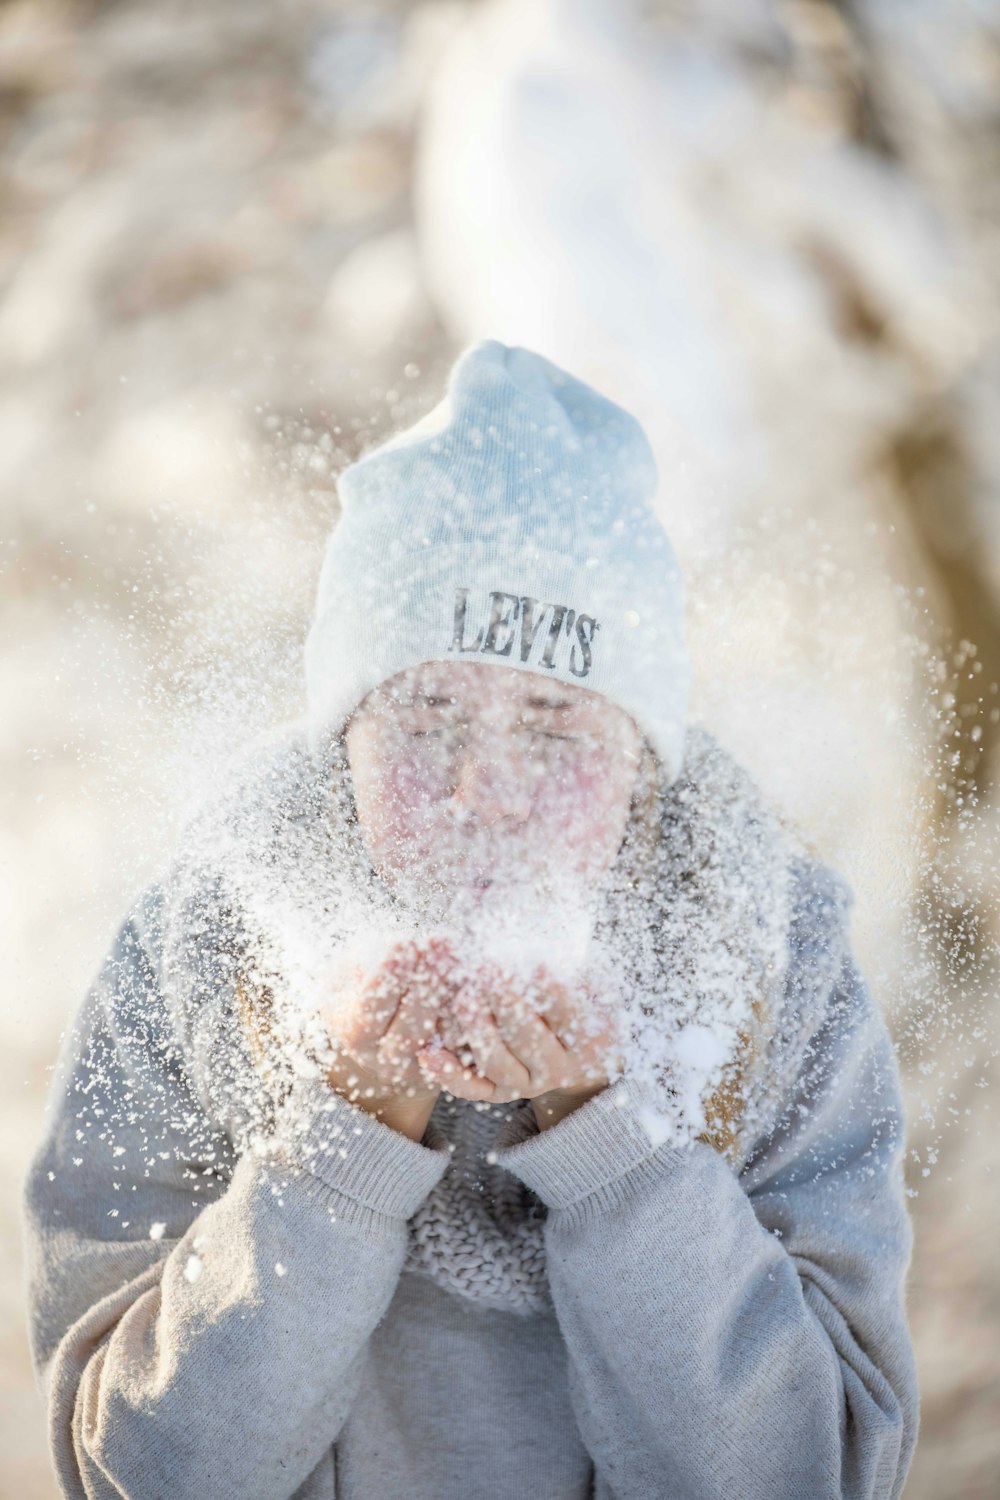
(470, 776)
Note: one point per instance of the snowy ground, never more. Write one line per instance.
(237, 244)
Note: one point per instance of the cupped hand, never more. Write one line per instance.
(546, 1041)
(380, 1031)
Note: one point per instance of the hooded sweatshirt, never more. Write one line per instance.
(325, 1308)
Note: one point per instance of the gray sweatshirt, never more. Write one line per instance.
(214, 1326)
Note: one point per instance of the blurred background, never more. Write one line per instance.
(241, 242)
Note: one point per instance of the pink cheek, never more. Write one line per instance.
(406, 790)
(580, 802)
(411, 779)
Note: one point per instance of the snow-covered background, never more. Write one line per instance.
(240, 242)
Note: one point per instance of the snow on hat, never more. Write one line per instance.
(513, 524)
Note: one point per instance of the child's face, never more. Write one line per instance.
(466, 774)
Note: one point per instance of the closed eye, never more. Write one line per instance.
(548, 735)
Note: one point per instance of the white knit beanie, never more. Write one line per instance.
(513, 524)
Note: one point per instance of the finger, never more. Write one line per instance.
(466, 1014)
(586, 1022)
(425, 1007)
(533, 1042)
(381, 993)
(592, 1042)
(495, 1060)
(404, 992)
(439, 958)
(451, 1029)
(412, 1027)
(446, 1070)
(352, 1034)
(557, 1003)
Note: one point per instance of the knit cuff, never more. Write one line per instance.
(598, 1144)
(354, 1153)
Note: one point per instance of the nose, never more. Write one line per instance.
(491, 783)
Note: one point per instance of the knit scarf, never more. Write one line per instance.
(478, 1233)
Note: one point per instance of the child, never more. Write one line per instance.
(485, 1101)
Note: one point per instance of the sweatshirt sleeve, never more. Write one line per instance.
(197, 1321)
(740, 1334)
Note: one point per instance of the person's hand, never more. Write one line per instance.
(545, 1041)
(380, 1031)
